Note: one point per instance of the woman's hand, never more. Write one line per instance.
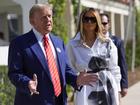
(85, 78)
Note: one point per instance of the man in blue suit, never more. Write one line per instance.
(121, 53)
(28, 64)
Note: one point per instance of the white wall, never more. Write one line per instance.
(26, 5)
(4, 55)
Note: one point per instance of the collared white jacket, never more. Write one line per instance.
(80, 54)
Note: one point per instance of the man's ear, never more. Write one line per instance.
(31, 21)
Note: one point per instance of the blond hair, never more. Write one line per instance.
(99, 26)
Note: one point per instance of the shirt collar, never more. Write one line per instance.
(79, 42)
(107, 34)
(39, 36)
(77, 37)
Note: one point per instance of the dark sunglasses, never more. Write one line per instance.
(87, 19)
(104, 23)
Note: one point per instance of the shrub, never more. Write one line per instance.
(7, 90)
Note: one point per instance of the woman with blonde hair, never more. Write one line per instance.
(91, 51)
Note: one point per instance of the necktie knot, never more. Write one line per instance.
(45, 37)
(45, 40)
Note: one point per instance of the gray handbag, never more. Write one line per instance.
(97, 64)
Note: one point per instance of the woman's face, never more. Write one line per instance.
(89, 22)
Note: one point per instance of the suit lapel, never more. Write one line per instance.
(58, 51)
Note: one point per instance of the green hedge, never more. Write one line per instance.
(60, 26)
(129, 45)
(7, 90)
(129, 54)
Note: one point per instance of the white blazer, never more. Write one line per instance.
(79, 55)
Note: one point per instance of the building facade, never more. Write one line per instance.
(14, 15)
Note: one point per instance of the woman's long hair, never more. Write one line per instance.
(99, 26)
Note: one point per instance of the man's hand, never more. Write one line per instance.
(33, 85)
(87, 78)
(123, 92)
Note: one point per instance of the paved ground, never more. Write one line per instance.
(133, 96)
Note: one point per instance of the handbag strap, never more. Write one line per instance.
(108, 46)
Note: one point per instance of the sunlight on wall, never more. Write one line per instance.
(4, 55)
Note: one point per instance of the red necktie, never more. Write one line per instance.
(52, 67)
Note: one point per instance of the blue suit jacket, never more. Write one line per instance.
(121, 60)
(26, 58)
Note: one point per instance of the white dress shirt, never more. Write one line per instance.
(40, 42)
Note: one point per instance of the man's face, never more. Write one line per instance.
(42, 20)
(105, 24)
